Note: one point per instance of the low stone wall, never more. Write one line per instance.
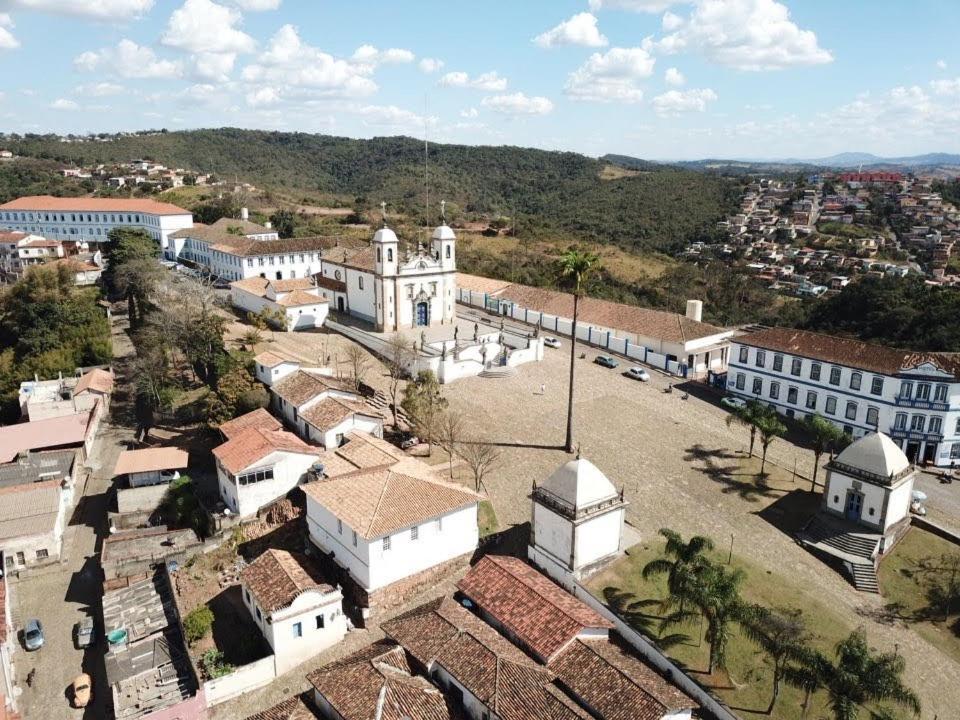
(938, 530)
(242, 680)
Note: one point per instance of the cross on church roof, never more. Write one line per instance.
(383, 212)
(443, 211)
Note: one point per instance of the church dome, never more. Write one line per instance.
(876, 454)
(443, 232)
(580, 484)
(385, 235)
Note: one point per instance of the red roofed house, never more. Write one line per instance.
(32, 519)
(20, 250)
(297, 301)
(258, 465)
(67, 431)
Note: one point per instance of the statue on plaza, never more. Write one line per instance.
(476, 331)
(423, 340)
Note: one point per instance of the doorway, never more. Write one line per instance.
(913, 450)
(930, 453)
(854, 506)
(423, 314)
(339, 304)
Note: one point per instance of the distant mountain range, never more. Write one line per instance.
(855, 159)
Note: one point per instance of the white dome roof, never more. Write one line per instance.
(875, 453)
(385, 235)
(580, 484)
(443, 232)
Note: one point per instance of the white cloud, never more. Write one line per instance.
(581, 29)
(370, 57)
(393, 117)
(64, 104)
(671, 21)
(262, 97)
(96, 9)
(647, 6)
(128, 60)
(941, 64)
(674, 77)
(489, 81)
(469, 113)
(611, 76)
(676, 102)
(257, 5)
(431, 65)
(745, 34)
(7, 40)
(946, 87)
(102, 89)
(288, 61)
(203, 26)
(214, 66)
(518, 104)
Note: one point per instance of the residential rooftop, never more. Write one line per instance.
(151, 459)
(62, 204)
(277, 577)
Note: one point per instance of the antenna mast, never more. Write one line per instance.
(426, 163)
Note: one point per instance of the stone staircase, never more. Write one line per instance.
(865, 578)
(382, 403)
(857, 550)
(498, 371)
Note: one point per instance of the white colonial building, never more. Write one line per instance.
(298, 302)
(21, 250)
(260, 462)
(91, 219)
(298, 612)
(577, 521)
(913, 397)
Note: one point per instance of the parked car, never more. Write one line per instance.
(81, 690)
(410, 442)
(551, 342)
(734, 403)
(33, 635)
(606, 361)
(638, 373)
(83, 633)
(169, 475)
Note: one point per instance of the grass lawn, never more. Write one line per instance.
(487, 519)
(905, 581)
(747, 686)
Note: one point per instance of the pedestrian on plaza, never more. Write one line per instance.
(543, 389)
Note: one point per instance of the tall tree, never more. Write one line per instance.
(783, 636)
(824, 436)
(481, 457)
(124, 245)
(682, 563)
(769, 428)
(573, 269)
(398, 358)
(424, 404)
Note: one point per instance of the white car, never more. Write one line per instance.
(638, 373)
(733, 403)
(551, 342)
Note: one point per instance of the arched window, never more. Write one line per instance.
(378, 255)
(389, 254)
(448, 252)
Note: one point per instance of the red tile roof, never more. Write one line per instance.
(532, 608)
(96, 379)
(277, 577)
(258, 418)
(301, 386)
(295, 708)
(48, 202)
(62, 431)
(271, 359)
(149, 459)
(300, 298)
(253, 443)
(332, 411)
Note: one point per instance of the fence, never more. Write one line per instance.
(244, 679)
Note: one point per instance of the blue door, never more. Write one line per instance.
(422, 312)
(854, 506)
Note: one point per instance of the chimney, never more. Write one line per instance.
(268, 224)
(244, 214)
(695, 310)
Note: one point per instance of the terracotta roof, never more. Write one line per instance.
(380, 501)
(29, 509)
(48, 202)
(291, 284)
(137, 461)
(277, 577)
(258, 286)
(258, 418)
(300, 386)
(377, 683)
(542, 615)
(12, 235)
(76, 264)
(41, 243)
(244, 246)
(359, 452)
(299, 298)
(253, 443)
(362, 258)
(848, 351)
(617, 685)
(53, 432)
(97, 379)
(332, 411)
(330, 283)
(271, 359)
(255, 285)
(295, 708)
(476, 283)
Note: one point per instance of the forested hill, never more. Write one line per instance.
(663, 208)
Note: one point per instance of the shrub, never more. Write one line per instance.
(198, 623)
(214, 665)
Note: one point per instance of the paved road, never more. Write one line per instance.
(943, 499)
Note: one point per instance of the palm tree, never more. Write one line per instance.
(681, 563)
(859, 677)
(782, 635)
(824, 435)
(573, 268)
(769, 428)
(746, 416)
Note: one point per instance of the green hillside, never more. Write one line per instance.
(551, 192)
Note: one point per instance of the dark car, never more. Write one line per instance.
(606, 361)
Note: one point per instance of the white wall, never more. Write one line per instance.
(288, 469)
(323, 531)
(552, 533)
(242, 680)
(898, 504)
(307, 316)
(354, 423)
(598, 537)
(361, 300)
(836, 498)
(268, 376)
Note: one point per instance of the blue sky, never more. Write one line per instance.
(651, 78)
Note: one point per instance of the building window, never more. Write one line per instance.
(320, 621)
(761, 358)
(831, 406)
(876, 386)
(259, 616)
(744, 352)
(255, 477)
(339, 526)
(792, 396)
(851, 412)
(956, 430)
(906, 390)
(940, 394)
(873, 417)
(917, 423)
(297, 629)
(834, 376)
(900, 421)
(379, 258)
(43, 554)
(811, 400)
(354, 538)
(778, 363)
(415, 532)
(360, 281)
(741, 381)
(795, 365)
(448, 252)
(923, 391)
(386, 543)
(774, 390)
(757, 386)
(936, 425)
(815, 371)
(955, 451)
(855, 380)
(389, 254)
